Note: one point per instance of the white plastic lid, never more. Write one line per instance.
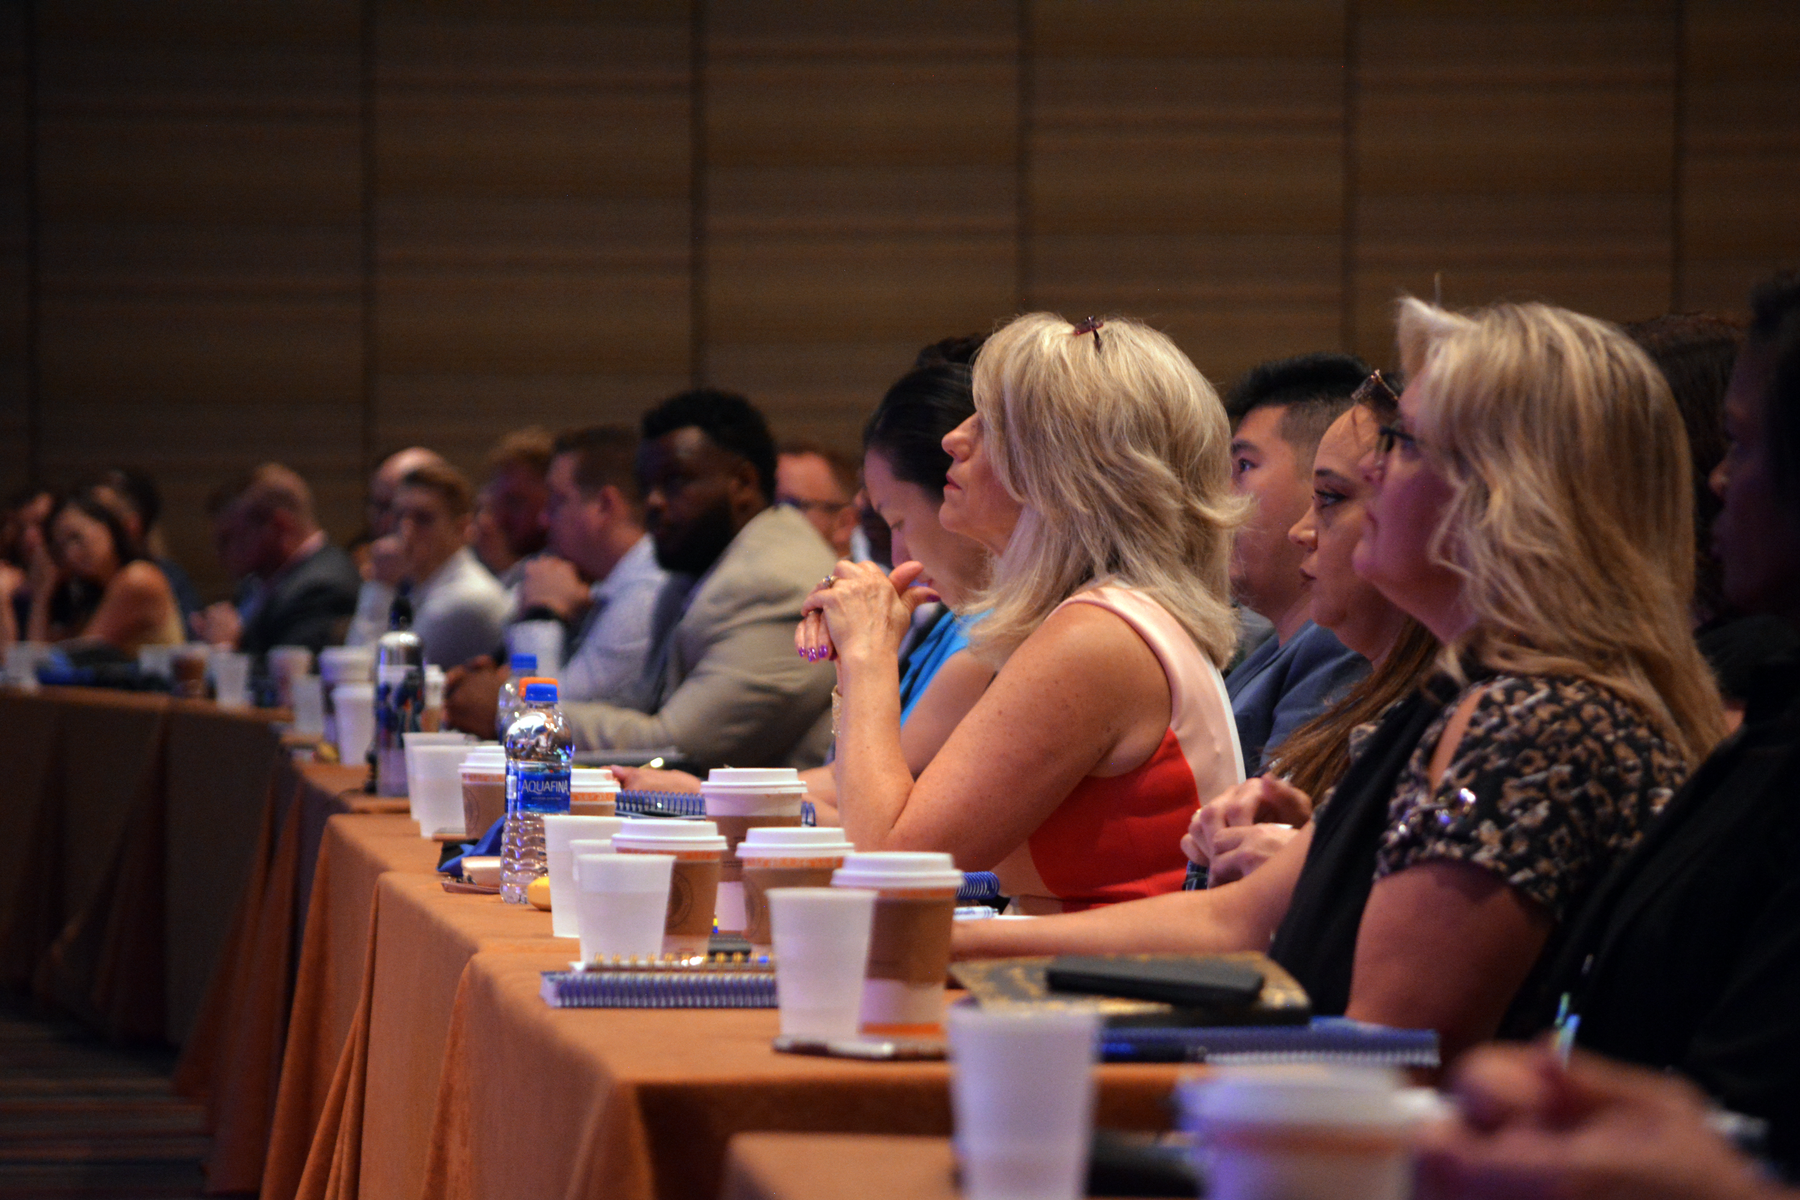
(1298, 1094)
(727, 781)
(592, 779)
(487, 756)
(898, 869)
(668, 836)
(793, 841)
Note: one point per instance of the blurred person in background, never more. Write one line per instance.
(134, 496)
(821, 485)
(599, 577)
(22, 541)
(377, 551)
(508, 527)
(459, 608)
(95, 588)
(904, 463)
(293, 587)
(725, 686)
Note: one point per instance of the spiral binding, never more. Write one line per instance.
(659, 989)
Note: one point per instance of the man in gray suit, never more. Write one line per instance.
(727, 686)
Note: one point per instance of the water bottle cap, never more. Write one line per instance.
(524, 662)
(540, 692)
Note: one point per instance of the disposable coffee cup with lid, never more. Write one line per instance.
(593, 792)
(698, 850)
(483, 775)
(776, 856)
(909, 945)
(1297, 1132)
(739, 799)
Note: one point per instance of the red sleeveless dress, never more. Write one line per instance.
(1119, 837)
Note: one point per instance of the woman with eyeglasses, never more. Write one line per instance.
(1531, 508)
(1096, 470)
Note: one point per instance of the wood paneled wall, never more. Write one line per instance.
(319, 231)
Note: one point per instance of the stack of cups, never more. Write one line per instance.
(739, 799)
(483, 775)
(821, 952)
(1022, 1090)
(561, 831)
(433, 781)
(909, 945)
(783, 857)
(286, 664)
(593, 792)
(339, 665)
(622, 904)
(1302, 1132)
(307, 695)
(698, 852)
(231, 678)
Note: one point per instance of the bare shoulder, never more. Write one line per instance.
(1089, 644)
(141, 580)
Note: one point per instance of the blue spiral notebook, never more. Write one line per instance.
(664, 983)
(1336, 1040)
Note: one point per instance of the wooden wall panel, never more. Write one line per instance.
(1740, 135)
(860, 196)
(15, 248)
(199, 244)
(532, 217)
(1186, 168)
(1522, 151)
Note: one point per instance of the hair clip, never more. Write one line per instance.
(1091, 325)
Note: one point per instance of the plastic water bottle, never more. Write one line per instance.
(538, 752)
(507, 711)
(399, 694)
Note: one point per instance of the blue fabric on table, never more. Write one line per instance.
(487, 845)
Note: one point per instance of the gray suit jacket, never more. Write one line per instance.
(733, 691)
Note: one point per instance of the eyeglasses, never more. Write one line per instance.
(1389, 436)
(1375, 392)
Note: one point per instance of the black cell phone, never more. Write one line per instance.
(1184, 982)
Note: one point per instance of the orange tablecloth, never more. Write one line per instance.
(637, 1104)
(802, 1166)
(133, 821)
(333, 979)
(233, 1061)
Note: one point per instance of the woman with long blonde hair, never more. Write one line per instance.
(1096, 470)
(1530, 508)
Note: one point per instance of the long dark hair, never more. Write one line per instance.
(907, 428)
(90, 505)
(1316, 755)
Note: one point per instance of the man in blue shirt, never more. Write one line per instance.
(1279, 411)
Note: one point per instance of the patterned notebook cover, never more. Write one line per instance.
(1003, 982)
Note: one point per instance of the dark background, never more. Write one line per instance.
(320, 230)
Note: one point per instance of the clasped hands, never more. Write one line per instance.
(859, 609)
(1244, 826)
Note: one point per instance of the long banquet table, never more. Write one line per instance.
(356, 1031)
(450, 1077)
